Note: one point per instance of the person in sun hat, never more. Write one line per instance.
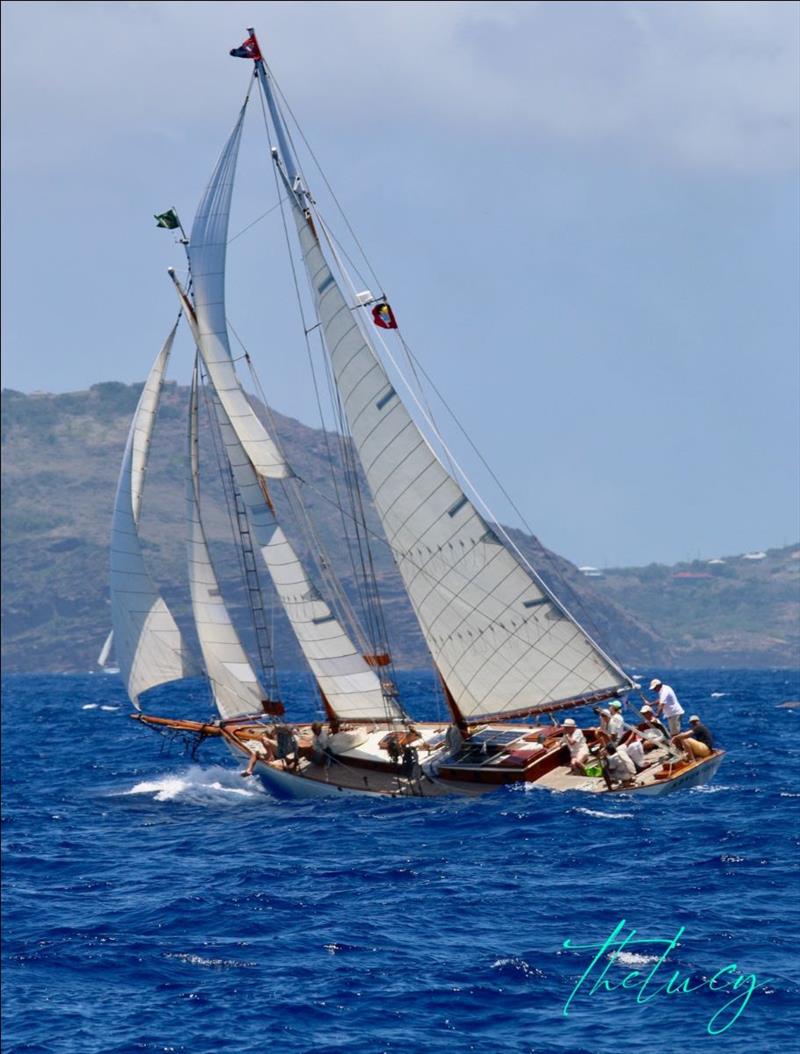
(576, 741)
(653, 729)
(667, 705)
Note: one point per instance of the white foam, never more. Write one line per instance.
(718, 695)
(634, 959)
(201, 786)
(605, 815)
(199, 960)
(89, 706)
(109, 708)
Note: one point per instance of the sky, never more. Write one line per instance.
(585, 216)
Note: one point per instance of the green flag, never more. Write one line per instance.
(168, 219)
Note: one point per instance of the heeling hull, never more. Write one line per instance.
(346, 778)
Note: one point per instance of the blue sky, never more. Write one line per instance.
(585, 217)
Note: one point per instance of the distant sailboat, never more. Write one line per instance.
(503, 646)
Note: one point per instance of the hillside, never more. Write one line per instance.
(61, 455)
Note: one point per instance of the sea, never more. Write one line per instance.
(156, 901)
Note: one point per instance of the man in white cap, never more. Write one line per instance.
(668, 705)
(656, 729)
(576, 741)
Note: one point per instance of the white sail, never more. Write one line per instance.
(105, 651)
(501, 643)
(349, 685)
(206, 252)
(233, 682)
(147, 642)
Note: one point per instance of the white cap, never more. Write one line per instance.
(646, 709)
(655, 683)
(616, 705)
(569, 722)
(694, 717)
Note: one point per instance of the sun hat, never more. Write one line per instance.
(646, 709)
(569, 721)
(655, 683)
(694, 717)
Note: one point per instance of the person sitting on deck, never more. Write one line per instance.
(697, 742)
(286, 748)
(616, 723)
(319, 744)
(578, 749)
(618, 765)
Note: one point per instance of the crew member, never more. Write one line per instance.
(578, 749)
(698, 741)
(668, 705)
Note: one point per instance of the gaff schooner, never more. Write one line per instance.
(504, 648)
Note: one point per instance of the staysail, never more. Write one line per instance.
(349, 686)
(147, 641)
(233, 682)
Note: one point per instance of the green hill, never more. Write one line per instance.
(61, 455)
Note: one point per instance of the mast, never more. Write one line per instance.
(502, 643)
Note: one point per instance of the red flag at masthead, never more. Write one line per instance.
(248, 50)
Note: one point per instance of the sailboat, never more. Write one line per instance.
(506, 652)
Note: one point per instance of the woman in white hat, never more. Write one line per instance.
(667, 705)
(576, 741)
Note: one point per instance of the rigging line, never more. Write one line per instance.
(322, 174)
(263, 215)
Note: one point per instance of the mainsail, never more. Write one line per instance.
(147, 641)
(233, 682)
(501, 642)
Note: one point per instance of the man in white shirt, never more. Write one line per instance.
(616, 722)
(667, 705)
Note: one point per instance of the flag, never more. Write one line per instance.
(248, 50)
(168, 219)
(383, 317)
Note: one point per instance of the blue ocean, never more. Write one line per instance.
(155, 901)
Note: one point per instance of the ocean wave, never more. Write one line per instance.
(634, 958)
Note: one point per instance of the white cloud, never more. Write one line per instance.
(693, 84)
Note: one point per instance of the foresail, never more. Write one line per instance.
(233, 682)
(147, 642)
(500, 642)
(350, 687)
(206, 250)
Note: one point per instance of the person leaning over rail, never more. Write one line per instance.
(668, 705)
